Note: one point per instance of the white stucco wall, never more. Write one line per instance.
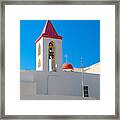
(27, 88)
(26, 75)
(40, 56)
(58, 44)
(60, 83)
(93, 82)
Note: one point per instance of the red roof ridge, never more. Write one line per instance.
(49, 31)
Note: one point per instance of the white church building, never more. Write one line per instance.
(52, 79)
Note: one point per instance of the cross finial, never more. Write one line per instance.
(81, 62)
(66, 57)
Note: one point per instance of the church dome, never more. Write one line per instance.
(67, 66)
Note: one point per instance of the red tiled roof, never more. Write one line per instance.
(49, 32)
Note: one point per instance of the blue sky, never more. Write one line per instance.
(80, 38)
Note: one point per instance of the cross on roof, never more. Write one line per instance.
(66, 56)
(81, 62)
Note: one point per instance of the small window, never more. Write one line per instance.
(86, 94)
(39, 49)
(85, 88)
(39, 63)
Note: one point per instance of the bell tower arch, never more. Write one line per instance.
(49, 50)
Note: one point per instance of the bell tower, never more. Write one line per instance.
(49, 50)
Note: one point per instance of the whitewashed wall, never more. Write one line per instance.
(61, 83)
(58, 43)
(40, 56)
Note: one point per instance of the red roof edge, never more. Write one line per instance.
(49, 32)
(45, 35)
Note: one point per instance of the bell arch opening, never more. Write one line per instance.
(52, 66)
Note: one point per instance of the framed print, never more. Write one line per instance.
(59, 59)
(61, 77)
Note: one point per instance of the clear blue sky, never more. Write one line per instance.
(80, 38)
